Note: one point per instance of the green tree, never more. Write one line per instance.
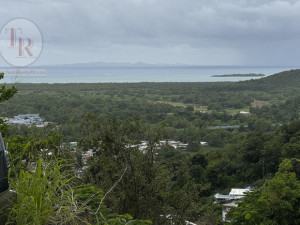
(5, 94)
(140, 192)
(276, 203)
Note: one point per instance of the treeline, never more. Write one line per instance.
(217, 96)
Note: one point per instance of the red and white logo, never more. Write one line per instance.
(21, 42)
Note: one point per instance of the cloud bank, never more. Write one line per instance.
(203, 32)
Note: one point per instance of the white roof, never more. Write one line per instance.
(231, 204)
(238, 191)
(189, 223)
(244, 112)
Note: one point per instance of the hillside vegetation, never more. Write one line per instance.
(121, 184)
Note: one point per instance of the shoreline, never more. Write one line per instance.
(241, 75)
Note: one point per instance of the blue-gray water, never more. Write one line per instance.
(137, 74)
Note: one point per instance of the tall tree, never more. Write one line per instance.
(276, 203)
(5, 94)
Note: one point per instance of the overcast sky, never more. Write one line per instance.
(202, 32)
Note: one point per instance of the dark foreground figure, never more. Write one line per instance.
(3, 167)
(6, 196)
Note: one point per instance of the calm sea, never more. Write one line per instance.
(134, 74)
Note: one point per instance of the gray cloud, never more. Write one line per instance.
(248, 32)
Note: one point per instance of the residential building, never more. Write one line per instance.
(230, 201)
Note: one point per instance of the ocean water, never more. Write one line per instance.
(132, 74)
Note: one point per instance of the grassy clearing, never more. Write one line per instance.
(179, 104)
(199, 108)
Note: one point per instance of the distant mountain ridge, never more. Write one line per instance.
(142, 64)
(116, 65)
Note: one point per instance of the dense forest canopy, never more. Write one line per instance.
(119, 183)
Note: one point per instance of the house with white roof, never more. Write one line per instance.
(235, 195)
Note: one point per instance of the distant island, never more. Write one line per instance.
(241, 75)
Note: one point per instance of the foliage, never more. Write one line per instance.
(160, 182)
(47, 192)
(5, 94)
(276, 203)
(44, 196)
(91, 197)
(142, 192)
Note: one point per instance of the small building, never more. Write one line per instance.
(182, 145)
(234, 194)
(245, 113)
(86, 156)
(189, 223)
(73, 144)
(203, 143)
(230, 201)
(225, 127)
(26, 119)
(239, 193)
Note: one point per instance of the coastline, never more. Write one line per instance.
(141, 75)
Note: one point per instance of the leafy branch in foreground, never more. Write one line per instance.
(5, 93)
(93, 199)
(44, 196)
(48, 193)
